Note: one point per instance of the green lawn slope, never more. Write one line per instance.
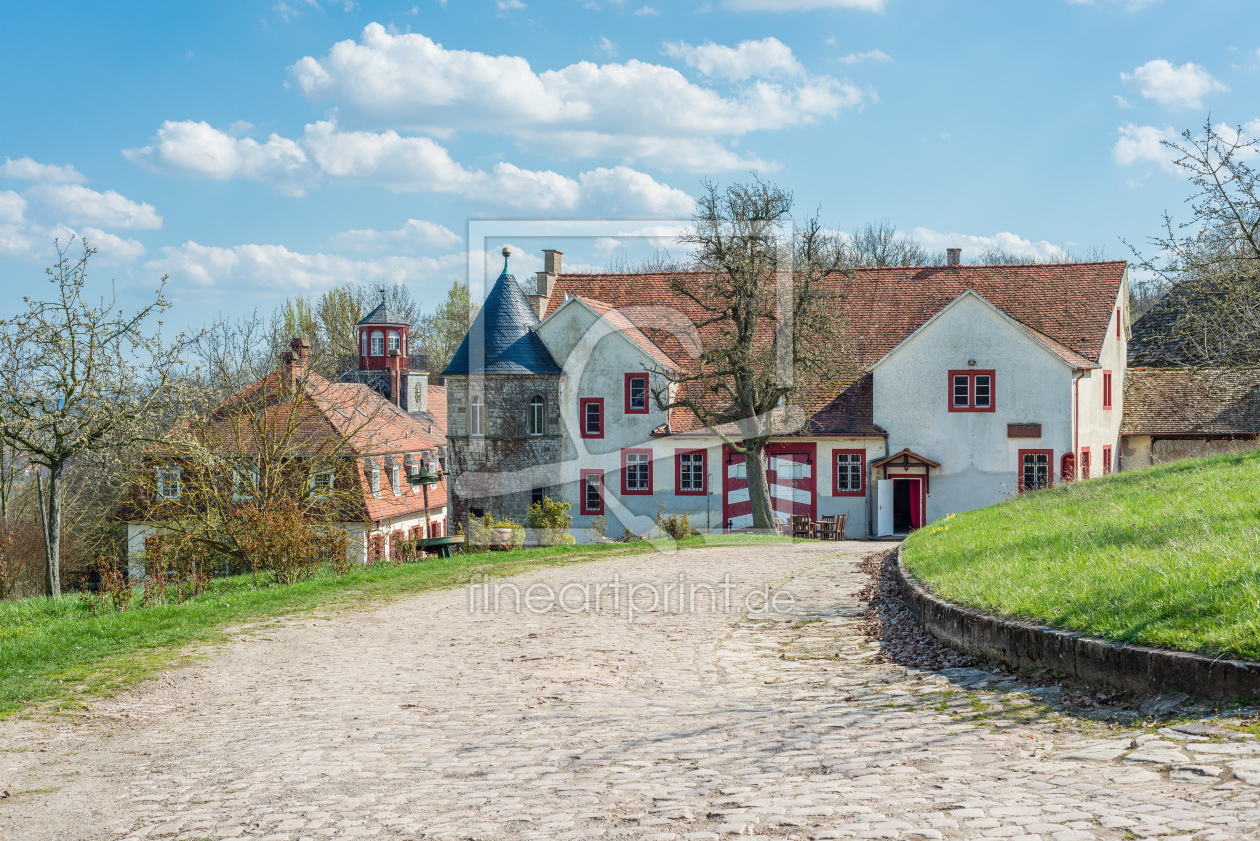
(1168, 556)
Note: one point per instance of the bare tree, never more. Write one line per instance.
(768, 297)
(1208, 266)
(440, 332)
(880, 245)
(78, 377)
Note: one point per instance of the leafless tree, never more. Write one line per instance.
(78, 377)
(1207, 267)
(441, 331)
(880, 245)
(770, 328)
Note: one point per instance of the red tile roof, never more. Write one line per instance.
(1065, 306)
(1183, 401)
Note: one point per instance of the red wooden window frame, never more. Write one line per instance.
(1107, 380)
(625, 487)
(1067, 468)
(1049, 454)
(704, 472)
(835, 472)
(582, 404)
(971, 375)
(1106, 461)
(1085, 463)
(599, 474)
(645, 409)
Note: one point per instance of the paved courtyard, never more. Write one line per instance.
(422, 719)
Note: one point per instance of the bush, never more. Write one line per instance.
(176, 567)
(551, 521)
(482, 536)
(676, 526)
(279, 542)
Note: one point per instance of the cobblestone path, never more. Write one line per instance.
(423, 720)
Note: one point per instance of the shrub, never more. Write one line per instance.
(176, 567)
(481, 536)
(598, 528)
(277, 541)
(551, 520)
(676, 526)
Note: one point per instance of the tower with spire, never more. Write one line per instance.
(503, 398)
(386, 362)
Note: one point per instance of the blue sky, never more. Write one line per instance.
(258, 150)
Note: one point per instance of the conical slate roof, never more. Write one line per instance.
(382, 315)
(501, 339)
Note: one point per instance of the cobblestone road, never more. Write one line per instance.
(421, 720)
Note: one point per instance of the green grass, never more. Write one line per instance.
(1168, 556)
(58, 652)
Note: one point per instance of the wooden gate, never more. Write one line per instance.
(790, 472)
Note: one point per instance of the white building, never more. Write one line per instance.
(974, 383)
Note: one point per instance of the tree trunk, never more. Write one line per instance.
(52, 531)
(759, 489)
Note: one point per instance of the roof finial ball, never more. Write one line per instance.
(507, 252)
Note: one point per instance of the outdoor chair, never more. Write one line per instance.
(802, 527)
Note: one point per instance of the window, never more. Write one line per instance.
(1118, 327)
(378, 343)
(537, 417)
(363, 342)
(1084, 462)
(850, 472)
(1106, 460)
(636, 394)
(394, 343)
(971, 391)
(476, 416)
(395, 481)
(592, 417)
(636, 471)
(1035, 469)
(689, 472)
(537, 495)
(1106, 389)
(592, 491)
(169, 482)
(374, 478)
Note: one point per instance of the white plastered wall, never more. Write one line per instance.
(979, 464)
(1100, 428)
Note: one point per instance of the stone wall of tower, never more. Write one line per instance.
(497, 472)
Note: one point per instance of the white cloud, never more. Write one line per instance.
(684, 153)
(26, 169)
(12, 208)
(415, 235)
(1168, 84)
(409, 81)
(75, 204)
(801, 5)
(510, 5)
(767, 57)
(607, 47)
(1144, 143)
(648, 10)
(869, 55)
(276, 268)
(1131, 4)
(972, 244)
(403, 164)
(197, 148)
(113, 249)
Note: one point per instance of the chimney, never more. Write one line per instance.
(551, 260)
(546, 281)
(394, 363)
(953, 256)
(294, 366)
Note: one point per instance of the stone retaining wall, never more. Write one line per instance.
(1132, 668)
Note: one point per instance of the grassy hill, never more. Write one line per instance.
(1168, 556)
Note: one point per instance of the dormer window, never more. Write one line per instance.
(378, 343)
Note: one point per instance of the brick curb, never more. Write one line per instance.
(1131, 668)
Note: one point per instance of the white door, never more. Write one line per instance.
(884, 511)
